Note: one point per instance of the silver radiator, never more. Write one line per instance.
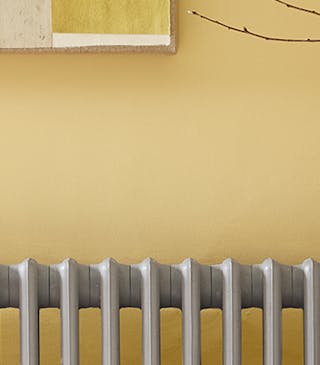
(151, 286)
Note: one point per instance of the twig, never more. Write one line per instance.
(288, 5)
(246, 31)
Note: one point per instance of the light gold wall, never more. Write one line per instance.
(210, 153)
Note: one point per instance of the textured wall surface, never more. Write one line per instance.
(113, 16)
(210, 153)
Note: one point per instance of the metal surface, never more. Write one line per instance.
(272, 302)
(190, 272)
(109, 294)
(231, 313)
(312, 312)
(151, 286)
(69, 308)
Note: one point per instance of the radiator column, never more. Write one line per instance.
(231, 312)
(69, 308)
(190, 271)
(150, 304)
(311, 312)
(272, 307)
(29, 312)
(109, 302)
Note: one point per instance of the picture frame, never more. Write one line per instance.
(30, 29)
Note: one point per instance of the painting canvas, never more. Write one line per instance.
(87, 25)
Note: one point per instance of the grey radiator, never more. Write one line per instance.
(151, 286)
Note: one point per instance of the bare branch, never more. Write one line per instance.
(246, 31)
(288, 5)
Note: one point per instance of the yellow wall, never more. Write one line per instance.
(210, 153)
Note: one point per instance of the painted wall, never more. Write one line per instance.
(210, 153)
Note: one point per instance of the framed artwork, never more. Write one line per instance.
(88, 26)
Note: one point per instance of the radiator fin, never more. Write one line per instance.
(150, 303)
(109, 297)
(272, 305)
(190, 271)
(29, 312)
(312, 312)
(69, 307)
(231, 313)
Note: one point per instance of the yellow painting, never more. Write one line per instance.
(111, 16)
(87, 25)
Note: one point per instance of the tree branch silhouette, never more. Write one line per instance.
(248, 32)
(291, 6)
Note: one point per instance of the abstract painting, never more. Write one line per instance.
(87, 25)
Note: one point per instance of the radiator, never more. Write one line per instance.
(150, 286)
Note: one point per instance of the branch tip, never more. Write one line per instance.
(299, 8)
